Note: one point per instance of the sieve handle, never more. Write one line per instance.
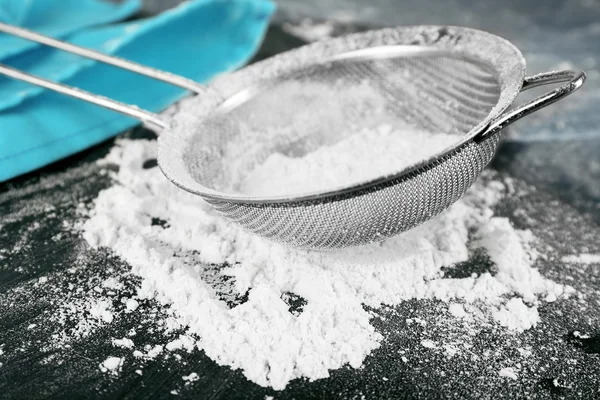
(144, 116)
(574, 81)
(153, 73)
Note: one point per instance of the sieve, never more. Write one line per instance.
(455, 80)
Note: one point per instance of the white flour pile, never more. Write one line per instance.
(272, 345)
(362, 156)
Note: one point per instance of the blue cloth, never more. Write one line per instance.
(197, 39)
(57, 18)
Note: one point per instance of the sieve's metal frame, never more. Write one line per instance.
(574, 80)
(462, 162)
(275, 217)
(417, 39)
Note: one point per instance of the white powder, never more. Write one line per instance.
(270, 343)
(138, 354)
(524, 352)
(112, 365)
(101, 311)
(131, 305)
(362, 156)
(309, 30)
(508, 372)
(450, 350)
(583, 258)
(125, 343)
(183, 342)
(153, 352)
(112, 283)
(193, 377)
(516, 315)
(580, 335)
(457, 310)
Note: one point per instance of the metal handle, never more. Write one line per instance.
(574, 81)
(130, 110)
(105, 58)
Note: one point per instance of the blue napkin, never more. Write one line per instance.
(57, 18)
(197, 39)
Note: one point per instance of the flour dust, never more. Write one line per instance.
(278, 313)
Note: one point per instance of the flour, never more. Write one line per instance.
(101, 311)
(516, 315)
(193, 377)
(508, 372)
(365, 155)
(151, 352)
(237, 295)
(457, 310)
(112, 283)
(131, 305)
(125, 343)
(112, 365)
(183, 342)
(583, 258)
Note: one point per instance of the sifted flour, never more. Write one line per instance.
(365, 155)
(278, 313)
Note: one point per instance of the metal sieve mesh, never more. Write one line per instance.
(368, 215)
(432, 91)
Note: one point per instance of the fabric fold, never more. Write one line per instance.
(57, 18)
(197, 40)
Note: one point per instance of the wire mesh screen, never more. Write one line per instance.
(322, 105)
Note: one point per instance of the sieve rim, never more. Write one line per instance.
(344, 193)
(512, 82)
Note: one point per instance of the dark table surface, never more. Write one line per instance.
(37, 239)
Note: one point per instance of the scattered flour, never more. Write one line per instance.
(151, 352)
(524, 352)
(112, 283)
(193, 377)
(457, 310)
(101, 311)
(580, 335)
(231, 289)
(450, 350)
(516, 315)
(183, 342)
(309, 30)
(508, 372)
(112, 365)
(125, 343)
(131, 305)
(428, 344)
(138, 354)
(583, 258)
(362, 156)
